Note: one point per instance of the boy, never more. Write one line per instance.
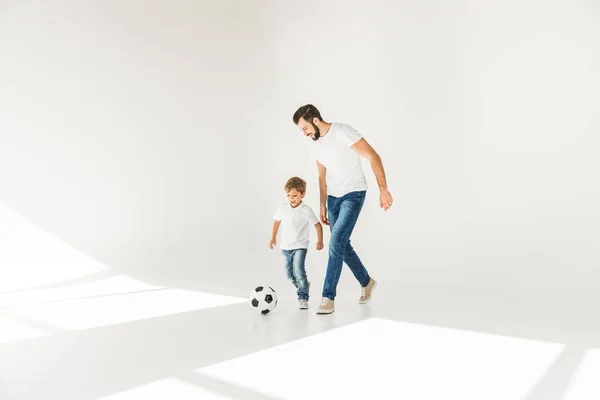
(296, 219)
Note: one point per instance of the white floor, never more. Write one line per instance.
(71, 328)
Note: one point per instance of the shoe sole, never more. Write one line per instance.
(369, 299)
(325, 311)
(303, 307)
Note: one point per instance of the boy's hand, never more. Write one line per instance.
(272, 243)
(319, 245)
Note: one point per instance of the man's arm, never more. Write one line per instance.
(322, 184)
(363, 148)
(323, 193)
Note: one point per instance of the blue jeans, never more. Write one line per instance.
(296, 271)
(343, 213)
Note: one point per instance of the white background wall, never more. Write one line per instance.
(124, 127)
(157, 136)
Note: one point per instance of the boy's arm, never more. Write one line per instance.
(319, 235)
(274, 231)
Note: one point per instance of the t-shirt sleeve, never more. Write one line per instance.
(350, 135)
(278, 215)
(310, 215)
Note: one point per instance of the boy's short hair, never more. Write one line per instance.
(296, 183)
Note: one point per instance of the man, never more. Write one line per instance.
(337, 149)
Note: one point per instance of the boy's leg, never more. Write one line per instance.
(289, 270)
(299, 267)
(345, 212)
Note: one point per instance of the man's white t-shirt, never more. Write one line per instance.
(344, 168)
(295, 225)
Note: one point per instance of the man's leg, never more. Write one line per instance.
(333, 209)
(345, 212)
(299, 270)
(360, 272)
(350, 257)
(356, 266)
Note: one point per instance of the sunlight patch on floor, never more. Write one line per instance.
(164, 389)
(379, 358)
(101, 287)
(30, 256)
(115, 309)
(11, 331)
(585, 384)
(36, 270)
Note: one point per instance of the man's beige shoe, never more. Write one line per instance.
(366, 292)
(326, 306)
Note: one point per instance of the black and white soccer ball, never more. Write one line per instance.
(263, 299)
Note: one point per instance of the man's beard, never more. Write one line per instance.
(317, 134)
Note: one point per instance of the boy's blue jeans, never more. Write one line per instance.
(295, 270)
(343, 213)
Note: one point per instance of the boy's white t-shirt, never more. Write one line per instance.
(344, 168)
(295, 225)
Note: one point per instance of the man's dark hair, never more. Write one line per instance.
(308, 112)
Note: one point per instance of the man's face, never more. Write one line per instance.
(309, 129)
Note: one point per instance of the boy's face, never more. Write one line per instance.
(294, 197)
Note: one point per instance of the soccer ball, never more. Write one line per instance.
(263, 299)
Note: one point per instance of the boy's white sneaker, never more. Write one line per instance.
(303, 304)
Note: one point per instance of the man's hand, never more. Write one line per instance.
(272, 243)
(324, 218)
(319, 245)
(385, 199)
